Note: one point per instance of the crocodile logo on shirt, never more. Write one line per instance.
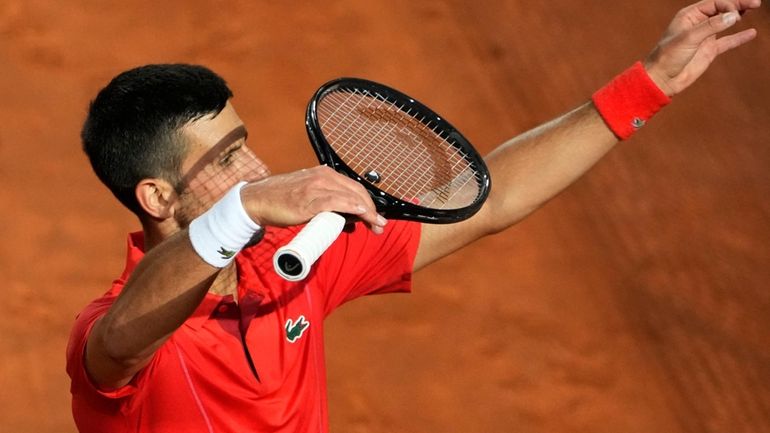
(294, 330)
(226, 254)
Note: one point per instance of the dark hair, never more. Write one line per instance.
(132, 129)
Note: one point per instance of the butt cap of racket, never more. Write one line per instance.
(294, 260)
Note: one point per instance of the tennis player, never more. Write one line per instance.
(198, 334)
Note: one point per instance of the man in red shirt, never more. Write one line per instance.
(197, 339)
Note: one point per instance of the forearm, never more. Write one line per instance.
(533, 167)
(163, 291)
(526, 172)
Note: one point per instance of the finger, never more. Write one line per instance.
(335, 201)
(345, 201)
(366, 209)
(370, 215)
(356, 188)
(710, 50)
(324, 178)
(727, 43)
(715, 47)
(711, 27)
(714, 7)
(332, 177)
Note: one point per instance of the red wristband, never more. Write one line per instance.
(628, 101)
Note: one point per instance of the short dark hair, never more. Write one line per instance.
(132, 129)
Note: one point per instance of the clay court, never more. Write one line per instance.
(636, 301)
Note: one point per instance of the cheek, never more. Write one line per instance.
(198, 187)
(201, 192)
(213, 181)
(188, 207)
(204, 191)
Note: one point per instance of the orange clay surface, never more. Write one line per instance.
(636, 301)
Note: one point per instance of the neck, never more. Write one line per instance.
(156, 231)
(226, 282)
(151, 239)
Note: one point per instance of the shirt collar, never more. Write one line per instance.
(134, 253)
(207, 309)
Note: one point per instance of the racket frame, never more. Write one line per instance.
(388, 205)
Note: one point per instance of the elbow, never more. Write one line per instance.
(499, 216)
(116, 346)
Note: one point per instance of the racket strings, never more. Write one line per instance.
(391, 115)
(357, 160)
(443, 189)
(422, 165)
(464, 193)
(388, 137)
(418, 132)
(365, 153)
(346, 147)
(415, 161)
(394, 153)
(395, 156)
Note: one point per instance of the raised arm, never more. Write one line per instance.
(530, 169)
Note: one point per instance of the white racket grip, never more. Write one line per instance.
(294, 260)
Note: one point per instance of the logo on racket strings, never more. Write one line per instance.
(294, 330)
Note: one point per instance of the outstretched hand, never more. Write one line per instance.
(690, 43)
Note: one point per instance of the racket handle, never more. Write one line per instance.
(293, 261)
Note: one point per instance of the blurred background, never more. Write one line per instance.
(637, 301)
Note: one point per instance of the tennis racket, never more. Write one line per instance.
(414, 164)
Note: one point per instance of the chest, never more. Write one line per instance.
(268, 343)
(255, 365)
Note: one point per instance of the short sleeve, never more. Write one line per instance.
(81, 384)
(362, 263)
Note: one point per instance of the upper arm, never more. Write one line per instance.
(526, 171)
(363, 263)
(164, 289)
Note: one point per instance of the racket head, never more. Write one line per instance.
(413, 162)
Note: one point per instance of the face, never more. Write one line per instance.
(217, 159)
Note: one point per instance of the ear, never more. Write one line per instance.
(157, 198)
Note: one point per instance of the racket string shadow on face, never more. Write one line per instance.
(220, 168)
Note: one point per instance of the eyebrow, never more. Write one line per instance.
(231, 137)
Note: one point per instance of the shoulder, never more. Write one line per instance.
(81, 329)
(399, 237)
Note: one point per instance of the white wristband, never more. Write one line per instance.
(222, 231)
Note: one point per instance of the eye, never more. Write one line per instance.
(226, 160)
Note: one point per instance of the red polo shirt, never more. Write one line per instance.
(252, 366)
